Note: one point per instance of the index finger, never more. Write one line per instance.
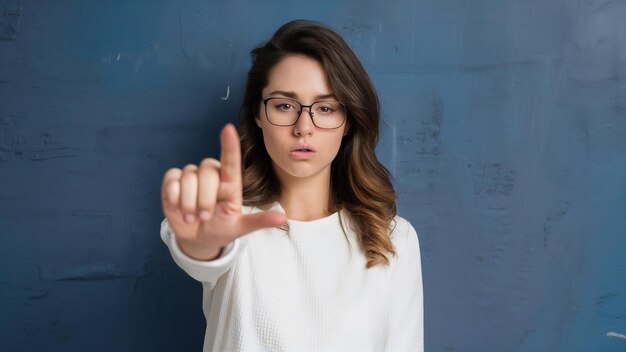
(230, 155)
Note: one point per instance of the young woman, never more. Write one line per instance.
(295, 236)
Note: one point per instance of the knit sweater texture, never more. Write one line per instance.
(308, 289)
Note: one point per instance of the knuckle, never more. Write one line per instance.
(173, 171)
(190, 167)
(189, 176)
(210, 163)
(169, 189)
(172, 174)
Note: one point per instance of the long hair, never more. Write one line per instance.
(359, 183)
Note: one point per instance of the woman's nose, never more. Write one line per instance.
(304, 124)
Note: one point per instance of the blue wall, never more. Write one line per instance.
(504, 126)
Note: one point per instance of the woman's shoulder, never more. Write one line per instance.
(403, 235)
(400, 226)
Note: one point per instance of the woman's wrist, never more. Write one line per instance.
(201, 254)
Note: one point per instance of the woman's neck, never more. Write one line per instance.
(306, 199)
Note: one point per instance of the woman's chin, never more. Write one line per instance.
(302, 172)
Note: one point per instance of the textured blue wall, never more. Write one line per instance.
(504, 126)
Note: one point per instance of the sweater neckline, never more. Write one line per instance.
(321, 222)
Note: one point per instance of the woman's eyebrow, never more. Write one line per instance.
(293, 95)
(324, 96)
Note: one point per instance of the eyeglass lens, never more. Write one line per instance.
(285, 112)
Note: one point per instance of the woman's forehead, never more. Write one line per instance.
(298, 77)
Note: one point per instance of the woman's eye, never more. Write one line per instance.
(284, 107)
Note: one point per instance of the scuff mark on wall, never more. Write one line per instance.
(553, 218)
(614, 334)
(425, 139)
(21, 146)
(605, 297)
(360, 26)
(227, 93)
(181, 41)
(10, 13)
(38, 293)
(92, 272)
(492, 178)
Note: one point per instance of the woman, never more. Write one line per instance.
(303, 250)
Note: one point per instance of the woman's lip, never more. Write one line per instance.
(302, 154)
(303, 146)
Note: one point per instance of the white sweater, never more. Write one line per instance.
(308, 290)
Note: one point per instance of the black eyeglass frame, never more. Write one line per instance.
(311, 114)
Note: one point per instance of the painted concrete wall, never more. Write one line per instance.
(504, 127)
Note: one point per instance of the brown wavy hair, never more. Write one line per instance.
(359, 183)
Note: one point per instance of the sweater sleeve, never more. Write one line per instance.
(405, 331)
(203, 271)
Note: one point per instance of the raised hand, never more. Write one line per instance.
(202, 204)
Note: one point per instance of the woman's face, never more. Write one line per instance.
(303, 79)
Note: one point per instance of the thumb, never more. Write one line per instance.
(253, 222)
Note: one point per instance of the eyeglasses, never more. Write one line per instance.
(286, 112)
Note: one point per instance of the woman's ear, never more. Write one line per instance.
(258, 121)
(347, 129)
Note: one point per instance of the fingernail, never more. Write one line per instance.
(190, 218)
(205, 215)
